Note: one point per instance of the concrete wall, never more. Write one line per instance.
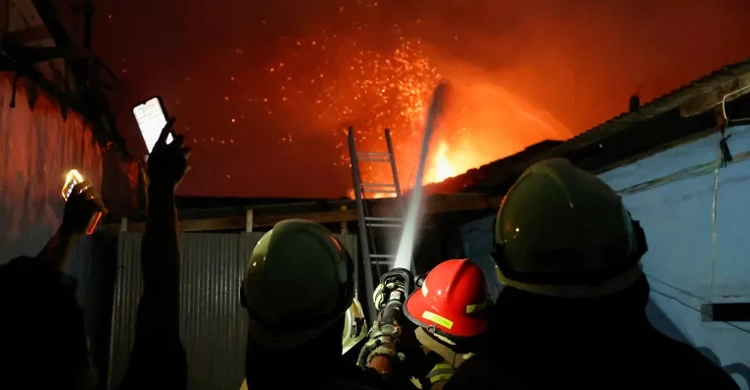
(693, 259)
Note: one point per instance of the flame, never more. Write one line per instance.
(373, 88)
(443, 168)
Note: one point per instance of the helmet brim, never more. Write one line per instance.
(420, 313)
(273, 339)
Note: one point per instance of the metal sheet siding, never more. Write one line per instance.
(213, 324)
(351, 243)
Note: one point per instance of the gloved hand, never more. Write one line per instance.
(167, 164)
(389, 282)
(82, 204)
(381, 293)
(381, 341)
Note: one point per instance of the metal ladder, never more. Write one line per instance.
(366, 223)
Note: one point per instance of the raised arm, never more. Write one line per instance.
(158, 358)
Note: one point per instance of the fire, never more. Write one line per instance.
(342, 80)
(442, 167)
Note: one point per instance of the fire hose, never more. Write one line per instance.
(395, 286)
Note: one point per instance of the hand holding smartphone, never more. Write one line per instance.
(72, 179)
(151, 116)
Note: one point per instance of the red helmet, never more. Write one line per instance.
(452, 301)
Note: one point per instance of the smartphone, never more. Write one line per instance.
(71, 180)
(151, 117)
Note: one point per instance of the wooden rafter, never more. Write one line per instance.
(382, 207)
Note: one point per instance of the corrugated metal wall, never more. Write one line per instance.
(213, 322)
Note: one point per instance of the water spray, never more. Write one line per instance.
(411, 222)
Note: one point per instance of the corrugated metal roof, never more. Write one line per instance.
(497, 175)
(491, 171)
(655, 107)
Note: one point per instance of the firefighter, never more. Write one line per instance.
(573, 306)
(298, 285)
(449, 311)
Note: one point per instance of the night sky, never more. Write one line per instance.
(264, 90)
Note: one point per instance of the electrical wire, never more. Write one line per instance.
(698, 170)
(714, 201)
(688, 293)
(692, 172)
(733, 325)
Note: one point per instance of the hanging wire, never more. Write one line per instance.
(735, 326)
(723, 159)
(714, 202)
(727, 120)
(685, 304)
(692, 172)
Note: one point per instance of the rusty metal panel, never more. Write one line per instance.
(213, 324)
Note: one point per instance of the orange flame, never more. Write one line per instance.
(442, 168)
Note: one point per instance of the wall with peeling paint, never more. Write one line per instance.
(37, 147)
(696, 220)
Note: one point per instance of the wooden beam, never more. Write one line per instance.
(29, 34)
(49, 16)
(344, 229)
(249, 220)
(707, 100)
(438, 204)
(384, 207)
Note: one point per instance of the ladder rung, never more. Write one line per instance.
(373, 185)
(382, 192)
(374, 256)
(382, 219)
(376, 159)
(374, 154)
(381, 222)
(380, 262)
(385, 225)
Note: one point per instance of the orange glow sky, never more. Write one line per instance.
(263, 92)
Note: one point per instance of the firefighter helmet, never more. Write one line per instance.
(563, 232)
(298, 283)
(452, 300)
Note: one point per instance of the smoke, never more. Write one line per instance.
(568, 64)
(523, 72)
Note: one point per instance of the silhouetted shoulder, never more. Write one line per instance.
(28, 272)
(158, 360)
(483, 372)
(690, 367)
(46, 317)
(351, 377)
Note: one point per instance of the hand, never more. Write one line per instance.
(397, 278)
(167, 164)
(382, 342)
(83, 203)
(380, 294)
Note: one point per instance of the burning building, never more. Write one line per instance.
(665, 157)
